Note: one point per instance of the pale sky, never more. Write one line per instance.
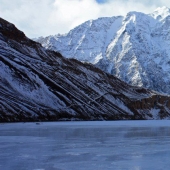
(49, 17)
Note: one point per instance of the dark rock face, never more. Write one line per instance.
(41, 85)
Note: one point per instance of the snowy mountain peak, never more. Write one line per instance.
(163, 9)
(135, 48)
(161, 13)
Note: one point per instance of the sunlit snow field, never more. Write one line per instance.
(117, 145)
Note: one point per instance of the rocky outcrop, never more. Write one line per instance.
(157, 103)
(41, 85)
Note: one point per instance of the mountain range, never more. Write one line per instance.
(135, 48)
(37, 84)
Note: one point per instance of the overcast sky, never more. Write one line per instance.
(49, 17)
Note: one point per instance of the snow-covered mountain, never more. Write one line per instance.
(134, 48)
(38, 84)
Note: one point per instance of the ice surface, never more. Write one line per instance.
(118, 145)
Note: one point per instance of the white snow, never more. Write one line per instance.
(155, 113)
(39, 94)
(135, 48)
(161, 13)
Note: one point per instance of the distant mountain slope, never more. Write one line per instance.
(134, 48)
(41, 85)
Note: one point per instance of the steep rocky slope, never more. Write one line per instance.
(134, 48)
(40, 85)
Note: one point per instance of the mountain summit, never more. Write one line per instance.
(134, 48)
(161, 12)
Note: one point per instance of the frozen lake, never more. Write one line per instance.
(117, 145)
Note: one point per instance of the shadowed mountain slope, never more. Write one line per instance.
(40, 85)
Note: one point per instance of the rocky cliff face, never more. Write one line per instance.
(134, 48)
(40, 85)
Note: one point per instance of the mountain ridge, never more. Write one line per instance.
(41, 85)
(134, 48)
